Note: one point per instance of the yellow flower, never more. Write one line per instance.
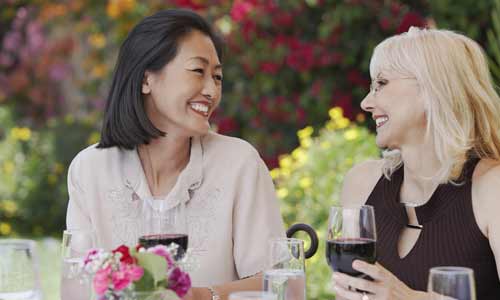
(330, 126)
(275, 173)
(21, 133)
(282, 193)
(5, 228)
(306, 142)
(305, 133)
(305, 182)
(360, 117)
(336, 113)
(285, 162)
(117, 7)
(9, 207)
(8, 167)
(98, 71)
(343, 123)
(351, 134)
(94, 138)
(299, 155)
(97, 40)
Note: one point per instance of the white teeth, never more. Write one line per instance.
(199, 107)
(381, 120)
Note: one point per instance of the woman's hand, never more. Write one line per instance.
(385, 285)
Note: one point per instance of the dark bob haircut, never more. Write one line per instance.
(148, 47)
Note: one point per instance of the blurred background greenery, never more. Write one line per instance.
(294, 74)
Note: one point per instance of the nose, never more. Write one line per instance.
(367, 103)
(210, 89)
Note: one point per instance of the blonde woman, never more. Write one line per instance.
(436, 191)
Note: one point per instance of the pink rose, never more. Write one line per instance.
(101, 280)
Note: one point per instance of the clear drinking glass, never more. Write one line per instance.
(19, 270)
(252, 295)
(286, 279)
(163, 224)
(351, 236)
(75, 282)
(446, 283)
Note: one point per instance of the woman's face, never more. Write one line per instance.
(180, 98)
(398, 109)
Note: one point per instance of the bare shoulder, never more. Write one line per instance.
(360, 181)
(485, 191)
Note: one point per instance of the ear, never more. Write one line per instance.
(146, 83)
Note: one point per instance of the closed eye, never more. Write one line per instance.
(201, 71)
(218, 77)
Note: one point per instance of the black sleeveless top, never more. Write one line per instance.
(450, 235)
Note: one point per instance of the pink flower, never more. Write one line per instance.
(90, 256)
(240, 10)
(102, 280)
(125, 275)
(179, 282)
(269, 67)
(161, 250)
(125, 252)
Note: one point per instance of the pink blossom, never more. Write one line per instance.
(120, 279)
(102, 280)
(240, 10)
(162, 250)
(179, 282)
(269, 67)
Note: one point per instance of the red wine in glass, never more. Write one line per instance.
(148, 241)
(341, 252)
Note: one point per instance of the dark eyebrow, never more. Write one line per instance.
(205, 61)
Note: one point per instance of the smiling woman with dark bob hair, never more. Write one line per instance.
(157, 149)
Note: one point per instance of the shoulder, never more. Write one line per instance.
(485, 191)
(228, 148)
(360, 181)
(92, 159)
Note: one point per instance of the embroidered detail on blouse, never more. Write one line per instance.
(202, 211)
(126, 216)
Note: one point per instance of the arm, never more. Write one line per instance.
(486, 204)
(77, 213)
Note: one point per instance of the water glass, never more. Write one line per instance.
(75, 282)
(286, 279)
(252, 295)
(19, 270)
(446, 283)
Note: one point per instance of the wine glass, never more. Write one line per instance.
(164, 225)
(447, 283)
(252, 295)
(286, 278)
(351, 236)
(19, 270)
(75, 282)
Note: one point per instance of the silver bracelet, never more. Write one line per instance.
(215, 295)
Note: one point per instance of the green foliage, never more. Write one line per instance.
(309, 182)
(33, 163)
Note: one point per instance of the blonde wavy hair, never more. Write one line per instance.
(462, 107)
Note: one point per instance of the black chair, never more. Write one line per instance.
(310, 232)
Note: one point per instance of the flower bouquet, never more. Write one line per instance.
(137, 273)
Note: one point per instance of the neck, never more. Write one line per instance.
(420, 166)
(163, 159)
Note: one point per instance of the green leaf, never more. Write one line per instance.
(146, 283)
(154, 264)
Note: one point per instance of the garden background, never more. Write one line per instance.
(295, 72)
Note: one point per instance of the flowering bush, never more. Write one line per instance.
(123, 272)
(309, 181)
